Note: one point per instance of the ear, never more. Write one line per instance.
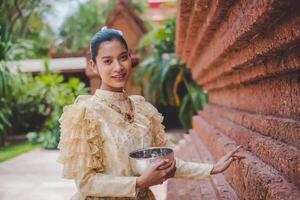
(93, 66)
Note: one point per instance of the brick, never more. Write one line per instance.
(245, 20)
(224, 190)
(282, 157)
(284, 35)
(184, 8)
(289, 62)
(283, 129)
(272, 96)
(251, 178)
(197, 19)
(218, 11)
(214, 187)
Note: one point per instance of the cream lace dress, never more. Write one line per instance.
(95, 142)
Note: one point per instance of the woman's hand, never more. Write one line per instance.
(157, 174)
(225, 161)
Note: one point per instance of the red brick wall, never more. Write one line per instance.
(246, 55)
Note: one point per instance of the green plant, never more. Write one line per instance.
(5, 82)
(30, 108)
(20, 23)
(5, 111)
(24, 29)
(165, 79)
(58, 94)
(37, 105)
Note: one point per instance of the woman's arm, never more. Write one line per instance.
(226, 161)
(96, 184)
(194, 170)
(91, 183)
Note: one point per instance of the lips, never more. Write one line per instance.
(119, 77)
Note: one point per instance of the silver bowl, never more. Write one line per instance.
(142, 159)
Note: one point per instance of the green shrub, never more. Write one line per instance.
(58, 94)
(31, 108)
(165, 79)
(5, 102)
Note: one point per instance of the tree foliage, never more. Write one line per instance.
(22, 27)
(165, 79)
(78, 28)
(90, 16)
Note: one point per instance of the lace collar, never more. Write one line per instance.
(111, 95)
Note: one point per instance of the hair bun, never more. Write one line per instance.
(103, 28)
(120, 32)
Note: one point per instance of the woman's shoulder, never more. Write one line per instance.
(143, 106)
(75, 111)
(82, 99)
(78, 105)
(136, 97)
(141, 102)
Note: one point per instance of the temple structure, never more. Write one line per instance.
(246, 55)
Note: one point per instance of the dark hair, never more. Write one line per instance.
(107, 34)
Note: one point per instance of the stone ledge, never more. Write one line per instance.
(251, 178)
(285, 63)
(282, 129)
(277, 96)
(214, 187)
(197, 19)
(217, 13)
(284, 158)
(184, 8)
(285, 35)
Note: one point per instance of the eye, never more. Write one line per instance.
(107, 62)
(124, 57)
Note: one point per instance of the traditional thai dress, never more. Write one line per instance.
(96, 139)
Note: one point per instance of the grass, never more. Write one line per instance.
(9, 152)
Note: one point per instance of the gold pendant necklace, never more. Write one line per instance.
(128, 116)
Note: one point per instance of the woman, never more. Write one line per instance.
(98, 131)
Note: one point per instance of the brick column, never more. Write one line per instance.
(246, 55)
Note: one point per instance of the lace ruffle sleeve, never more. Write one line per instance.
(81, 143)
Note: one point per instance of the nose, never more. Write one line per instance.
(118, 66)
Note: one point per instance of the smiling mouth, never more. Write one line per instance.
(120, 77)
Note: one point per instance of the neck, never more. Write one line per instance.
(103, 87)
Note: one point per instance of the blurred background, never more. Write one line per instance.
(222, 73)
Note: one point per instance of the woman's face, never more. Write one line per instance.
(113, 64)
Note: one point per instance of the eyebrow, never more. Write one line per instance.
(104, 57)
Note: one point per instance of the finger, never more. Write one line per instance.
(172, 173)
(158, 164)
(171, 168)
(231, 153)
(227, 163)
(165, 166)
(236, 149)
(238, 156)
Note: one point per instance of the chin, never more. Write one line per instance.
(119, 86)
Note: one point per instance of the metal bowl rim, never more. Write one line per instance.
(130, 154)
